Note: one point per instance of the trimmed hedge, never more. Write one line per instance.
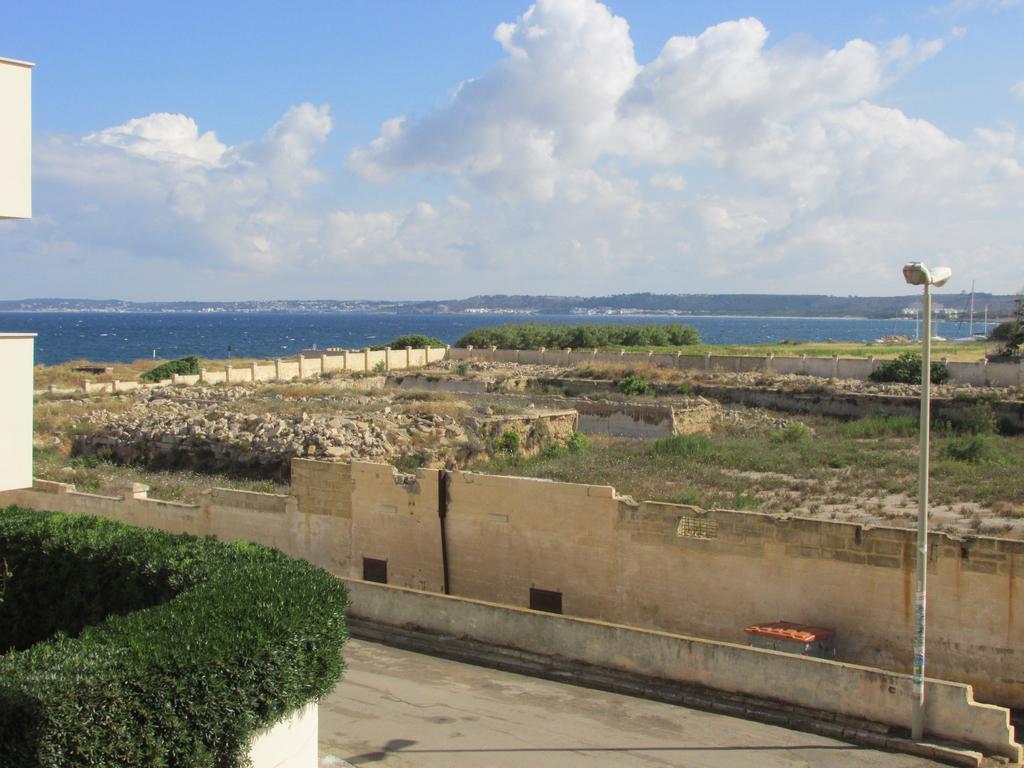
(537, 335)
(183, 366)
(130, 646)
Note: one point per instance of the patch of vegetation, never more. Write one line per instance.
(508, 443)
(537, 335)
(130, 646)
(380, 366)
(842, 464)
(414, 340)
(688, 446)
(795, 433)
(972, 448)
(1011, 334)
(880, 426)
(906, 369)
(634, 385)
(184, 366)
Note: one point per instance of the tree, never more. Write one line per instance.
(1011, 332)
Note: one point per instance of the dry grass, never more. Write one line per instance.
(833, 474)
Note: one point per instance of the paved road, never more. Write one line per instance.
(397, 708)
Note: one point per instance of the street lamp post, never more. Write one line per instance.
(916, 273)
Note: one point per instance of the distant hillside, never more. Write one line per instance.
(768, 305)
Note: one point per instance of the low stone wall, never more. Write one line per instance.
(847, 689)
(282, 369)
(981, 373)
(1009, 414)
(645, 420)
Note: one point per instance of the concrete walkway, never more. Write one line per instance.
(397, 708)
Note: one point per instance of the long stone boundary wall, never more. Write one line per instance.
(667, 567)
(828, 686)
(282, 369)
(977, 374)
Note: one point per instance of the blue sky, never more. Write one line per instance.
(197, 150)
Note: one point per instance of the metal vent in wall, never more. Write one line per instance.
(375, 570)
(545, 600)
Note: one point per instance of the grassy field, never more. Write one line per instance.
(954, 351)
(862, 470)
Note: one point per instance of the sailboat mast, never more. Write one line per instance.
(971, 331)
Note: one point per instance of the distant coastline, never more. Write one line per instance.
(588, 309)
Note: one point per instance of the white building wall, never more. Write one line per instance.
(16, 360)
(15, 139)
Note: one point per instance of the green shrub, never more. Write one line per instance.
(462, 369)
(537, 335)
(508, 443)
(635, 385)
(184, 366)
(795, 434)
(905, 368)
(880, 426)
(684, 389)
(380, 367)
(414, 340)
(129, 646)
(687, 446)
(975, 449)
(976, 419)
(578, 443)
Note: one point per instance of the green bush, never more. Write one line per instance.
(129, 646)
(905, 368)
(184, 366)
(795, 434)
(537, 335)
(635, 385)
(977, 419)
(508, 443)
(414, 340)
(975, 449)
(578, 443)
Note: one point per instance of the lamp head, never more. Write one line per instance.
(917, 273)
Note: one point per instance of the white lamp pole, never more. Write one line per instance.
(918, 274)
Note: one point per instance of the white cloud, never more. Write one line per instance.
(1017, 89)
(725, 163)
(670, 181)
(162, 136)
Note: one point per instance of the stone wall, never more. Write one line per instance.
(282, 369)
(980, 373)
(660, 566)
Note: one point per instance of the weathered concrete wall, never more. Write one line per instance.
(643, 420)
(395, 519)
(662, 566)
(827, 686)
(981, 373)
(712, 573)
